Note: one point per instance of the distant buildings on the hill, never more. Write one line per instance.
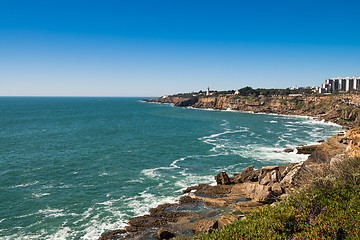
(331, 85)
(340, 84)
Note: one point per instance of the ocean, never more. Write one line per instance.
(72, 168)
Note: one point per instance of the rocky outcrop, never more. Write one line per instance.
(222, 179)
(306, 149)
(205, 225)
(353, 138)
(343, 109)
(113, 234)
(187, 102)
(248, 174)
(258, 192)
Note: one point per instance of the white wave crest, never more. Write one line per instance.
(25, 184)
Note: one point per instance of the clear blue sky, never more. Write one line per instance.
(159, 47)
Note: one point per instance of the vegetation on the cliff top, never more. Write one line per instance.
(249, 91)
(328, 208)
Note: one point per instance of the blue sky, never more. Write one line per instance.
(160, 47)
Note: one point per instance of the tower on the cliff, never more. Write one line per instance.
(208, 91)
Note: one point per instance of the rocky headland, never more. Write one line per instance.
(342, 109)
(204, 208)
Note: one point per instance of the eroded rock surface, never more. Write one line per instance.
(222, 179)
(205, 225)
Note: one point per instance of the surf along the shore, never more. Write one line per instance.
(205, 207)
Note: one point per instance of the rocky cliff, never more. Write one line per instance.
(342, 109)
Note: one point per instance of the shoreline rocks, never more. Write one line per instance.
(244, 192)
(240, 194)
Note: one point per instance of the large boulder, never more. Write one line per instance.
(276, 188)
(164, 233)
(258, 192)
(222, 179)
(290, 179)
(269, 174)
(204, 225)
(248, 174)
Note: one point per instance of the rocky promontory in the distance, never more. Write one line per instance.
(338, 108)
(205, 208)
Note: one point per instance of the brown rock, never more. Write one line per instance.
(143, 222)
(290, 178)
(285, 170)
(204, 225)
(227, 219)
(206, 190)
(258, 192)
(276, 188)
(265, 179)
(164, 233)
(269, 168)
(222, 179)
(248, 174)
(288, 150)
(306, 149)
(112, 235)
(274, 176)
(269, 174)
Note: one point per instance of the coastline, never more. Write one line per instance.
(265, 188)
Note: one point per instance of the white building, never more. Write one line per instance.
(340, 84)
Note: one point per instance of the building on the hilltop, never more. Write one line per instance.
(208, 91)
(340, 84)
(296, 88)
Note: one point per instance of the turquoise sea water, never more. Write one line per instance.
(72, 168)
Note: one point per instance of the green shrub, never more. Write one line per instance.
(328, 208)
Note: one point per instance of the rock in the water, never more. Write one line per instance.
(288, 150)
(205, 225)
(222, 179)
(164, 233)
(306, 149)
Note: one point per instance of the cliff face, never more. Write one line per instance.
(353, 138)
(342, 109)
